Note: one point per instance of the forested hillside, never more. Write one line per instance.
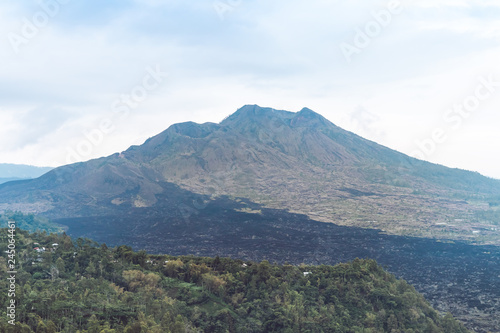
(29, 222)
(82, 286)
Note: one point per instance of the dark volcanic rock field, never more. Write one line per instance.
(456, 277)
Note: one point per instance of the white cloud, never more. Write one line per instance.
(280, 54)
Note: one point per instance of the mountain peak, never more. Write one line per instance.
(309, 113)
(256, 112)
(308, 118)
(193, 130)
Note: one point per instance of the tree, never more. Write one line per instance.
(212, 283)
(66, 243)
(172, 268)
(51, 327)
(79, 243)
(178, 326)
(140, 258)
(264, 270)
(104, 248)
(93, 326)
(392, 323)
(41, 327)
(90, 270)
(134, 279)
(60, 265)
(53, 272)
(77, 269)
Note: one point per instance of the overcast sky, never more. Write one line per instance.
(84, 79)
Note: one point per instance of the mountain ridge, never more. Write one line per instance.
(11, 172)
(297, 161)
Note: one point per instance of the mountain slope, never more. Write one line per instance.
(296, 161)
(10, 172)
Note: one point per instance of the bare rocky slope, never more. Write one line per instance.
(300, 162)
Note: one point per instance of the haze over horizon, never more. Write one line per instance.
(419, 77)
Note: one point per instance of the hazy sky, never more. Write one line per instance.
(83, 79)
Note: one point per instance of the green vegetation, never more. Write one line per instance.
(29, 222)
(82, 286)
